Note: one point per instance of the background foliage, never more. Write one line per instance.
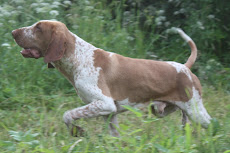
(33, 98)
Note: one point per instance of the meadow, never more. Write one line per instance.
(33, 98)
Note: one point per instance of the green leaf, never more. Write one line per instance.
(188, 133)
(136, 111)
(161, 148)
(138, 130)
(150, 120)
(124, 127)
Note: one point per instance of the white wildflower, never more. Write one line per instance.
(211, 16)
(159, 23)
(44, 4)
(12, 21)
(182, 11)
(160, 12)
(163, 18)
(157, 20)
(67, 2)
(56, 3)
(40, 10)
(200, 25)
(172, 30)
(34, 5)
(54, 13)
(87, 2)
(176, 12)
(6, 14)
(19, 7)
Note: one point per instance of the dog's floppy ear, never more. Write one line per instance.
(56, 48)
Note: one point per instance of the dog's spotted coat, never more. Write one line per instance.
(105, 81)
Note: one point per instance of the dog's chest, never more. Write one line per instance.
(80, 70)
(83, 76)
(85, 81)
(86, 75)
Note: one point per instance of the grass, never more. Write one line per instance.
(34, 98)
(39, 128)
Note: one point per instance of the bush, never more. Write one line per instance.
(131, 28)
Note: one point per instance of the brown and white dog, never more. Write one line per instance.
(106, 81)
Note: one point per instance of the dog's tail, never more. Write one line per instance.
(192, 58)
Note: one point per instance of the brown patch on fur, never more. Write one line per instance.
(141, 80)
(102, 60)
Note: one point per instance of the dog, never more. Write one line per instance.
(105, 81)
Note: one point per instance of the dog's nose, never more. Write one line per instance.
(14, 33)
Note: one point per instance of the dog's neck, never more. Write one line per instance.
(78, 59)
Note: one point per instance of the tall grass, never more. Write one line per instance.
(38, 127)
(34, 98)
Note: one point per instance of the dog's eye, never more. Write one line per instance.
(38, 27)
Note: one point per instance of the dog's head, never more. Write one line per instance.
(43, 39)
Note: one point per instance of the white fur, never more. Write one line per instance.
(181, 68)
(195, 109)
(85, 76)
(111, 54)
(184, 35)
(28, 32)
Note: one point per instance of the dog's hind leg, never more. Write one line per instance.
(113, 124)
(185, 118)
(162, 109)
(195, 109)
(158, 108)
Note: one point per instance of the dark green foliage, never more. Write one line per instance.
(132, 28)
(33, 98)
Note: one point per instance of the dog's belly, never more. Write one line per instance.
(126, 102)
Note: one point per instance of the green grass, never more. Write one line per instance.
(39, 127)
(34, 98)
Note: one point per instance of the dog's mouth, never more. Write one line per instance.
(31, 53)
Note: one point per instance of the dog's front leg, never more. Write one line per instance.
(93, 109)
(112, 122)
